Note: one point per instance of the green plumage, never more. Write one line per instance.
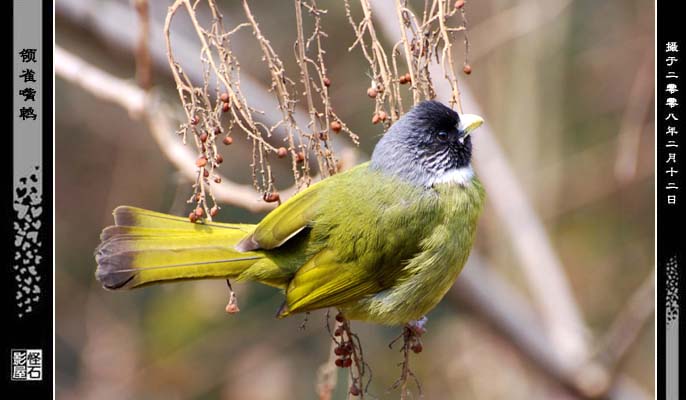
(375, 246)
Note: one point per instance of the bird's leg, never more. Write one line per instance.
(348, 350)
(411, 336)
(232, 306)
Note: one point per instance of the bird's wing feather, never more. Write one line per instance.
(325, 282)
(284, 222)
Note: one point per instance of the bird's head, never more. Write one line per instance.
(428, 145)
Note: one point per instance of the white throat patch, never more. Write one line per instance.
(461, 176)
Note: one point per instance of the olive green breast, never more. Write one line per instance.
(414, 241)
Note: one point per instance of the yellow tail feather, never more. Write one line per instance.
(146, 247)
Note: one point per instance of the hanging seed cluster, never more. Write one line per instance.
(424, 41)
(348, 352)
(218, 112)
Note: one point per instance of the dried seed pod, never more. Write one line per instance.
(336, 126)
(338, 331)
(340, 317)
(224, 97)
(327, 81)
(323, 136)
(201, 161)
(217, 179)
(372, 92)
(467, 69)
(271, 197)
(227, 140)
(281, 152)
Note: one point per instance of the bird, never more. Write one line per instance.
(382, 242)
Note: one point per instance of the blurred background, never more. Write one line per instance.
(566, 89)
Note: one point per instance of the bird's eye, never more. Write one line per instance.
(442, 136)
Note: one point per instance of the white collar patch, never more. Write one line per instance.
(461, 176)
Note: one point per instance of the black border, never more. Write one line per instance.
(36, 329)
(670, 218)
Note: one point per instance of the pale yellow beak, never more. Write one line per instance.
(469, 122)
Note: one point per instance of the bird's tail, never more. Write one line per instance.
(145, 247)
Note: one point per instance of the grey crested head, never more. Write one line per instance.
(430, 144)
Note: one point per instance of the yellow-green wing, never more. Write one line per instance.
(284, 222)
(325, 282)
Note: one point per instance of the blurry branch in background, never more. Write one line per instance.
(623, 333)
(634, 121)
(566, 331)
(157, 117)
(143, 62)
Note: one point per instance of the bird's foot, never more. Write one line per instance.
(411, 336)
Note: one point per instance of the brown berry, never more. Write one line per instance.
(227, 140)
(372, 92)
(340, 317)
(300, 157)
(203, 137)
(336, 126)
(347, 362)
(354, 390)
(339, 363)
(408, 77)
(205, 173)
(271, 197)
(214, 211)
(459, 4)
(226, 107)
(199, 212)
(192, 217)
(281, 152)
(467, 69)
(417, 347)
(338, 351)
(383, 115)
(217, 179)
(195, 120)
(327, 81)
(402, 80)
(338, 331)
(219, 159)
(224, 97)
(376, 119)
(201, 161)
(323, 136)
